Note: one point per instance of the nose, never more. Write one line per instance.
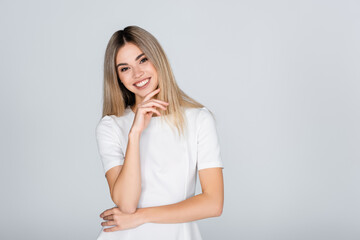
(138, 72)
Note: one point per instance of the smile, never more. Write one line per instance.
(142, 84)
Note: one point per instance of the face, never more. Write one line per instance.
(135, 71)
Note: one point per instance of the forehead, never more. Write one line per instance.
(127, 53)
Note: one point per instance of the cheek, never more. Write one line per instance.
(124, 77)
(125, 81)
(154, 72)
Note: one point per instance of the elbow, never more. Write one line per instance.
(216, 204)
(218, 210)
(125, 207)
(130, 210)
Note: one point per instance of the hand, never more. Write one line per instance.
(145, 111)
(122, 221)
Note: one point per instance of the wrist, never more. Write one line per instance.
(134, 133)
(143, 215)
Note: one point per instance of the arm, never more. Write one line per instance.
(125, 181)
(207, 204)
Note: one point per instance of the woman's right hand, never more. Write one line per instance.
(145, 111)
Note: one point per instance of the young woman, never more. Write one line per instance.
(152, 140)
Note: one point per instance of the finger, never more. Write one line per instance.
(151, 94)
(103, 214)
(108, 223)
(153, 102)
(110, 217)
(112, 229)
(107, 212)
(150, 109)
(149, 104)
(159, 101)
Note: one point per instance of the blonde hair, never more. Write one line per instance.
(117, 97)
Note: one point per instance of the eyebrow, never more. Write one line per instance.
(135, 60)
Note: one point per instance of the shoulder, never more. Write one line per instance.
(105, 124)
(204, 114)
(108, 130)
(114, 121)
(200, 116)
(197, 111)
(118, 126)
(110, 122)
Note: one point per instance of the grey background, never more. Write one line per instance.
(282, 78)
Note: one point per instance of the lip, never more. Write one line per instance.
(141, 80)
(149, 78)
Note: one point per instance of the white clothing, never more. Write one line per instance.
(168, 166)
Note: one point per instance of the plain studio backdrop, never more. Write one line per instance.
(282, 78)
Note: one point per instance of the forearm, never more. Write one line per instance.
(127, 187)
(197, 207)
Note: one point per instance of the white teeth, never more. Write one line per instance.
(142, 83)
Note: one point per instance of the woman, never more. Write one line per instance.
(152, 139)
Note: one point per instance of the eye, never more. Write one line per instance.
(123, 69)
(142, 60)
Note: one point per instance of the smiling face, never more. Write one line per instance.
(135, 71)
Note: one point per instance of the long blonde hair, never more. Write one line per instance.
(117, 97)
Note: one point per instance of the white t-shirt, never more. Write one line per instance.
(168, 166)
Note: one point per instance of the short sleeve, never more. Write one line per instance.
(208, 147)
(108, 142)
